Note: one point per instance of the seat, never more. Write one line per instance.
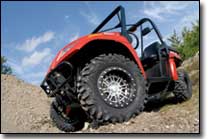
(150, 56)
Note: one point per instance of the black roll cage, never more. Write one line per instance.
(120, 12)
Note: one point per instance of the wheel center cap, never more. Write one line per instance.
(114, 88)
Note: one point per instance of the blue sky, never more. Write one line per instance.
(33, 32)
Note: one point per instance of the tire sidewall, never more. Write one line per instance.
(188, 83)
(95, 93)
(183, 87)
(61, 122)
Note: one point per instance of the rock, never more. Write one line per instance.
(86, 126)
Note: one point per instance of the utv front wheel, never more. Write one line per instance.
(111, 89)
(182, 87)
(67, 123)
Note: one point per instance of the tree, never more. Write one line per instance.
(188, 43)
(5, 69)
(191, 40)
(175, 40)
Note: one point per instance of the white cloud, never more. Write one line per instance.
(90, 15)
(30, 44)
(66, 17)
(36, 58)
(74, 37)
(158, 10)
(64, 37)
(188, 19)
(34, 78)
(36, 75)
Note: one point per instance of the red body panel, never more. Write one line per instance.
(173, 68)
(75, 46)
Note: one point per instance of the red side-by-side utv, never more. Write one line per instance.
(101, 77)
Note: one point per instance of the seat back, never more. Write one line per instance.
(151, 50)
(150, 56)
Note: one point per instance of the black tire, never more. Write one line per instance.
(90, 97)
(182, 87)
(67, 124)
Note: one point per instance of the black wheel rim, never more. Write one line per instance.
(117, 87)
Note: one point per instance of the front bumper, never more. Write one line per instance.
(55, 79)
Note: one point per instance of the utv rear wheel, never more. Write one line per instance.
(182, 87)
(111, 89)
(64, 122)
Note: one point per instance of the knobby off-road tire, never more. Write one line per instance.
(95, 102)
(67, 124)
(182, 87)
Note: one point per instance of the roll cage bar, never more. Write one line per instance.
(120, 12)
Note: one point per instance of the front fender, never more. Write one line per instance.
(72, 48)
(172, 61)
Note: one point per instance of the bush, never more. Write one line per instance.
(188, 43)
(5, 69)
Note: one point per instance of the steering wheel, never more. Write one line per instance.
(135, 36)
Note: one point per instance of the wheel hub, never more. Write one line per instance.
(115, 86)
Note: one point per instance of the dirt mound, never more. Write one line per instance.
(25, 108)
